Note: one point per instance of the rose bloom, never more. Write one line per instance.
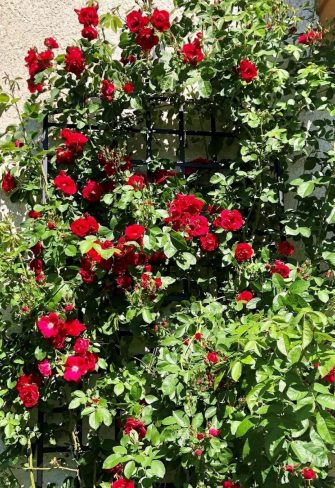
(133, 424)
(124, 282)
(27, 388)
(88, 15)
(64, 156)
(93, 191)
(74, 141)
(285, 248)
(146, 39)
(128, 88)
(65, 184)
(134, 232)
(75, 368)
(289, 468)
(160, 19)
(198, 452)
(212, 357)
(308, 474)
(51, 225)
(36, 265)
(310, 37)
(44, 367)
(84, 226)
(192, 53)
(214, 432)
(73, 328)
(197, 225)
(37, 248)
(33, 214)
(123, 483)
(243, 252)
(230, 484)
(90, 33)
(35, 87)
(162, 175)
(200, 436)
(107, 90)
(51, 43)
(330, 377)
(136, 21)
(244, 296)
(137, 182)
(247, 70)
(8, 183)
(280, 268)
(231, 220)
(49, 325)
(74, 61)
(81, 345)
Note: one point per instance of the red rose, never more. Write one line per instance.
(137, 182)
(37, 266)
(200, 436)
(231, 220)
(90, 33)
(247, 70)
(107, 90)
(146, 39)
(134, 232)
(289, 468)
(44, 367)
(75, 368)
(330, 377)
(33, 214)
(128, 88)
(85, 226)
(136, 21)
(51, 225)
(198, 336)
(124, 282)
(230, 484)
(285, 248)
(74, 61)
(87, 276)
(280, 268)
(29, 395)
(19, 143)
(64, 156)
(160, 19)
(244, 296)
(123, 483)
(8, 183)
(88, 15)
(198, 452)
(81, 346)
(192, 53)
(49, 325)
(74, 141)
(197, 225)
(310, 37)
(212, 357)
(93, 191)
(51, 43)
(137, 425)
(308, 474)
(243, 252)
(214, 432)
(37, 248)
(65, 184)
(73, 328)
(33, 87)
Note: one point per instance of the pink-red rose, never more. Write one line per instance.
(136, 21)
(243, 252)
(107, 90)
(65, 184)
(84, 226)
(93, 191)
(146, 39)
(209, 242)
(231, 220)
(137, 425)
(192, 53)
(8, 183)
(247, 70)
(244, 296)
(74, 61)
(280, 268)
(160, 19)
(285, 248)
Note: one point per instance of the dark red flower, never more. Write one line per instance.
(8, 183)
(49, 325)
(231, 220)
(200, 436)
(35, 87)
(212, 357)
(162, 175)
(136, 21)
(74, 61)
(51, 43)
(138, 182)
(196, 225)
(289, 468)
(124, 282)
(128, 88)
(247, 70)
(107, 90)
(93, 191)
(29, 395)
(244, 296)
(85, 226)
(230, 484)
(65, 184)
(73, 328)
(214, 432)
(308, 474)
(137, 425)
(81, 346)
(88, 15)
(243, 252)
(33, 214)
(146, 39)
(90, 33)
(37, 266)
(87, 275)
(37, 248)
(285, 248)
(134, 232)
(64, 156)
(51, 225)
(123, 483)
(310, 37)
(192, 53)
(198, 452)
(330, 377)
(19, 143)
(160, 19)
(280, 268)
(74, 141)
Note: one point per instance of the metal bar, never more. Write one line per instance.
(148, 136)
(213, 141)
(182, 137)
(40, 450)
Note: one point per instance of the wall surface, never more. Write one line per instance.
(25, 23)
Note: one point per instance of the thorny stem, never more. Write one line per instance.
(31, 468)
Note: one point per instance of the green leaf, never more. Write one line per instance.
(236, 371)
(243, 428)
(129, 469)
(307, 333)
(327, 401)
(329, 256)
(70, 250)
(158, 468)
(325, 425)
(305, 189)
(181, 418)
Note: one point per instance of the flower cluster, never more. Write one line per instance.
(88, 17)
(145, 36)
(38, 62)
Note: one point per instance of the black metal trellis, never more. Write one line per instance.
(182, 133)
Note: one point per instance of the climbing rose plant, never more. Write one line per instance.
(183, 312)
